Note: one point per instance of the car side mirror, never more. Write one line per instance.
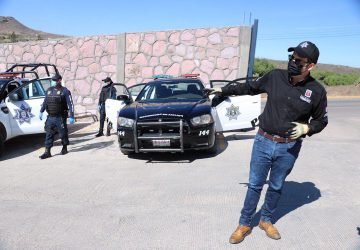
(123, 98)
(14, 97)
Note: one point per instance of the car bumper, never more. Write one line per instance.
(175, 136)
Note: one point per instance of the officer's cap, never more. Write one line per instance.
(56, 77)
(107, 79)
(307, 50)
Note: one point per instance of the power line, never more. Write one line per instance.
(308, 36)
(315, 32)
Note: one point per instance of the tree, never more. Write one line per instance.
(13, 37)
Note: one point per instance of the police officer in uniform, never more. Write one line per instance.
(296, 107)
(57, 103)
(107, 91)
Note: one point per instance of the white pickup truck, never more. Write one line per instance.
(21, 94)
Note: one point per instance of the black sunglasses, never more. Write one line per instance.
(297, 61)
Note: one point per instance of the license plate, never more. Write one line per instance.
(161, 143)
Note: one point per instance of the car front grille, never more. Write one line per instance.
(168, 131)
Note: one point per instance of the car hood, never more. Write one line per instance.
(174, 109)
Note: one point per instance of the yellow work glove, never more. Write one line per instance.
(298, 130)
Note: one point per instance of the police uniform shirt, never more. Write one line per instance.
(286, 102)
(65, 93)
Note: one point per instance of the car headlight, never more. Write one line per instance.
(201, 120)
(125, 122)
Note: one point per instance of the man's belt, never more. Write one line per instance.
(275, 138)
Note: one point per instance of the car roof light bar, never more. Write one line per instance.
(190, 75)
(163, 76)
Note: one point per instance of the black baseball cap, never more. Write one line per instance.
(56, 77)
(107, 79)
(307, 50)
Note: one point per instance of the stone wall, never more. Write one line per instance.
(83, 63)
(211, 52)
(134, 58)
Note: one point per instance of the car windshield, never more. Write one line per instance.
(135, 90)
(159, 91)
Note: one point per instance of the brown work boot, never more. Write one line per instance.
(270, 230)
(239, 234)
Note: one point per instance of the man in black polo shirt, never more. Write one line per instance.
(296, 106)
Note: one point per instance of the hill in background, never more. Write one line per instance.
(11, 30)
(339, 69)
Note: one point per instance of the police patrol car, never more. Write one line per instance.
(175, 114)
(21, 95)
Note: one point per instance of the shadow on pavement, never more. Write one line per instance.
(77, 138)
(26, 144)
(96, 145)
(186, 157)
(294, 195)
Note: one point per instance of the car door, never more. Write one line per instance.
(24, 104)
(113, 105)
(234, 113)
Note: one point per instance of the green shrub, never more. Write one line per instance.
(262, 66)
(332, 79)
(13, 37)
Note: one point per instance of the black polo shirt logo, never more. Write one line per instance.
(306, 97)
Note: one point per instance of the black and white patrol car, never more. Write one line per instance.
(175, 114)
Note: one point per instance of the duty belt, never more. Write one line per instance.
(275, 138)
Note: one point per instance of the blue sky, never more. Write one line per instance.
(333, 25)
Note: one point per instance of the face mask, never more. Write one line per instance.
(294, 69)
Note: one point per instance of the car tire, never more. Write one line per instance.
(1, 145)
(213, 149)
(108, 129)
(125, 152)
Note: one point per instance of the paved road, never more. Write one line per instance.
(96, 198)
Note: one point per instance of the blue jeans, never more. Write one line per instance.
(279, 159)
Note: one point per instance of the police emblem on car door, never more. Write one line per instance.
(234, 112)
